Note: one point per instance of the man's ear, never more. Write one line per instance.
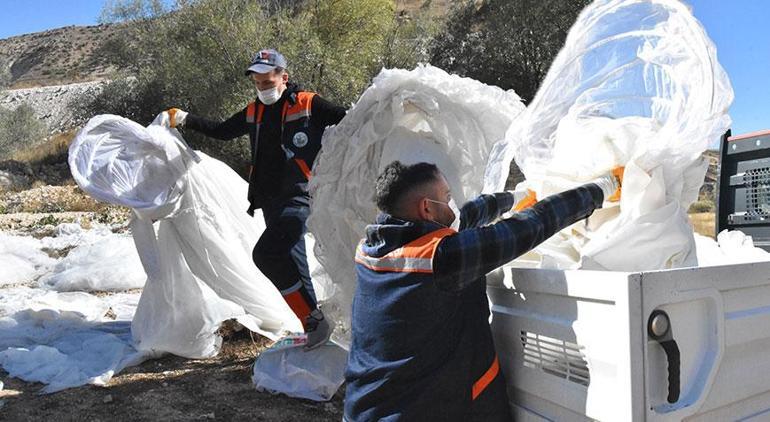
(423, 210)
(285, 76)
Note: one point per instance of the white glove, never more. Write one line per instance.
(172, 117)
(610, 184)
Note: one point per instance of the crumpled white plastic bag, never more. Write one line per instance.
(198, 255)
(637, 84)
(420, 115)
(730, 247)
(286, 368)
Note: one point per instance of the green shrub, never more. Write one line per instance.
(702, 205)
(19, 128)
(48, 220)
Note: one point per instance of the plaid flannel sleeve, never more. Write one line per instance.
(485, 209)
(470, 254)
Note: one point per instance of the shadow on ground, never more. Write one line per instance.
(169, 389)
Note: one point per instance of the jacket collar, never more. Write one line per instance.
(389, 233)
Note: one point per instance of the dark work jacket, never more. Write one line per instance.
(421, 347)
(283, 148)
(418, 351)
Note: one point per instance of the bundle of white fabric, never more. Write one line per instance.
(412, 116)
(637, 84)
(198, 255)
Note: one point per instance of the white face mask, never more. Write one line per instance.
(455, 225)
(269, 96)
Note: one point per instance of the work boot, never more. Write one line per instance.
(318, 329)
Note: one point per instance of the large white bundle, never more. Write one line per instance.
(198, 256)
(412, 116)
(637, 84)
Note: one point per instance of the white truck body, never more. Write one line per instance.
(574, 345)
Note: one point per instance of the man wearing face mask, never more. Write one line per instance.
(285, 125)
(421, 346)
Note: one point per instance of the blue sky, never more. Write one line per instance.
(25, 16)
(739, 29)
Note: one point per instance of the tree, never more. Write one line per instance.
(506, 43)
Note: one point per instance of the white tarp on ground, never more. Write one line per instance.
(637, 84)
(412, 116)
(68, 339)
(88, 266)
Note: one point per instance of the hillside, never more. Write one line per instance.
(72, 54)
(56, 57)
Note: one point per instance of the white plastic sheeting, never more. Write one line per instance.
(198, 255)
(22, 259)
(197, 260)
(637, 84)
(65, 339)
(412, 116)
(108, 264)
(286, 368)
(68, 339)
(89, 265)
(730, 247)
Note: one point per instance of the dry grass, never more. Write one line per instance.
(704, 223)
(47, 199)
(52, 150)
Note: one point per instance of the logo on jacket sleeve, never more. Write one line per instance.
(300, 139)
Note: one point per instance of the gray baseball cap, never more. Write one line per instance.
(265, 61)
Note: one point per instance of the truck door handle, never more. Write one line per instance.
(659, 329)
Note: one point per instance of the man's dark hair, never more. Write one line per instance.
(397, 180)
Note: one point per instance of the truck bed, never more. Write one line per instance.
(574, 345)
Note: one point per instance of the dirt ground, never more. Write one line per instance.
(169, 389)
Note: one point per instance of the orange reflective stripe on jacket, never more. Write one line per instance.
(414, 257)
(251, 111)
(303, 167)
(486, 379)
(252, 115)
(301, 108)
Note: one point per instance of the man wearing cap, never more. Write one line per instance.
(285, 125)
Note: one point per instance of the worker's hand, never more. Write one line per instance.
(172, 117)
(523, 199)
(611, 184)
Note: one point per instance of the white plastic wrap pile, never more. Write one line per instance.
(89, 265)
(637, 84)
(412, 116)
(68, 339)
(198, 255)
